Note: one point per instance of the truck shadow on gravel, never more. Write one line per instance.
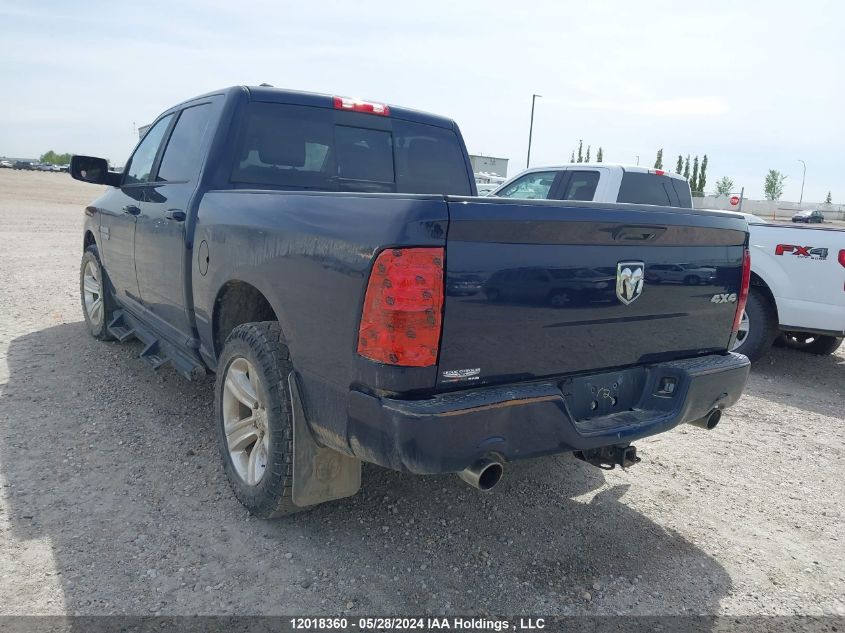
(115, 468)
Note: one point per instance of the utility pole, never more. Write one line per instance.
(803, 175)
(531, 130)
(638, 159)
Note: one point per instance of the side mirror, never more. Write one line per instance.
(93, 170)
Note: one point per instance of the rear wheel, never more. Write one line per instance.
(97, 301)
(812, 343)
(254, 419)
(758, 326)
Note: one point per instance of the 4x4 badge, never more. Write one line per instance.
(629, 281)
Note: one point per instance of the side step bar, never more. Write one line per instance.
(157, 352)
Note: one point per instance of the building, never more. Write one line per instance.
(489, 165)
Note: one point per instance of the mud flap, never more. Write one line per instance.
(319, 474)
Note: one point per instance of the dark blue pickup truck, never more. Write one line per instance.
(327, 258)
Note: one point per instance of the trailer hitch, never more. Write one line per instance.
(609, 457)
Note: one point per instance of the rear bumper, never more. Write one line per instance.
(450, 431)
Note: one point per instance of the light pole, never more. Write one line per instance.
(531, 130)
(803, 175)
(638, 158)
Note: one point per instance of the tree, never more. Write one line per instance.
(587, 160)
(580, 155)
(599, 156)
(680, 166)
(724, 186)
(829, 199)
(54, 159)
(773, 185)
(658, 163)
(572, 157)
(702, 175)
(693, 183)
(686, 168)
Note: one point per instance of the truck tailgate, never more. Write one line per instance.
(537, 288)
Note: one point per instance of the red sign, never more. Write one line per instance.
(734, 200)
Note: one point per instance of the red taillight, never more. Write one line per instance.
(743, 289)
(356, 105)
(659, 172)
(842, 258)
(403, 308)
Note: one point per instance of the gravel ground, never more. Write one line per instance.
(113, 499)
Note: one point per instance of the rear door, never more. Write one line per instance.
(161, 251)
(589, 304)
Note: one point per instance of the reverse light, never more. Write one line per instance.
(743, 289)
(356, 105)
(403, 308)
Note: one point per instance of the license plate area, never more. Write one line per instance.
(603, 394)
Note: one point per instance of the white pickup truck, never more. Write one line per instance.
(797, 273)
(797, 288)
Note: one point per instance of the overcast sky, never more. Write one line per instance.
(754, 85)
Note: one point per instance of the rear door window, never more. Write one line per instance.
(302, 147)
(581, 185)
(182, 156)
(533, 186)
(647, 188)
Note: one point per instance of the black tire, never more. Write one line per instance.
(262, 344)
(692, 280)
(97, 327)
(812, 343)
(762, 326)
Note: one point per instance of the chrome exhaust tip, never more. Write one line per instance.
(709, 421)
(483, 474)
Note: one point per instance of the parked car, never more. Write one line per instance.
(22, 164)
(300, 247)
(5, 164)
(689, 274)
(797, 295)
(600, 182)
(558, 286)
(809, 216)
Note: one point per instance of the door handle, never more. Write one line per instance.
(131, 209)
(177, 215)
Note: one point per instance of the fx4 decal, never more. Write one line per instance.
(724, 298)
(801, 251)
